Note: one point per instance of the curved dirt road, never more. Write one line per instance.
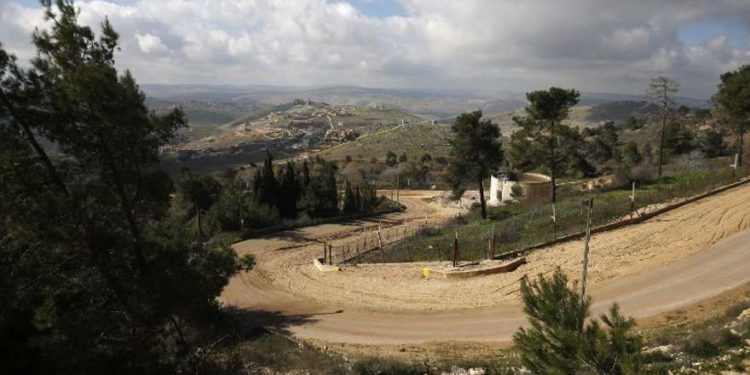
(689, 279)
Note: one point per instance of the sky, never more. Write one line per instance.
(611, 46)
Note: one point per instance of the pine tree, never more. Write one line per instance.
(543, 134)
(475, 151)
(97, 274)
(561, 341)
(732, 103)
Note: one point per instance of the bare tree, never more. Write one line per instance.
(661, 90)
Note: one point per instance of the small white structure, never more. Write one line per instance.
(500, 188)
(534, 187)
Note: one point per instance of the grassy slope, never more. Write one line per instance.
(414, 140)
(522, 225)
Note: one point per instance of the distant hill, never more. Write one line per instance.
(238, 122)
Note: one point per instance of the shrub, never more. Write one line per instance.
(498, 213)
(701, 347)
(692, 160)
(728, 339)
(247, 262)
(642, 174)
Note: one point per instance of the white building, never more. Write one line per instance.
(500, 188)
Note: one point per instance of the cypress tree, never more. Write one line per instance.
(267, 187)
(305, 174)
(289, 193)
(358, 200)
(350, 200)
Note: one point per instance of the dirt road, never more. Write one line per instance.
(682, 257)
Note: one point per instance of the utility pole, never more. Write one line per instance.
(589, 205)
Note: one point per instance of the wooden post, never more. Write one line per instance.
(324, 253)
(554, 222)
(455, 250)
(380, 242)
(584, 273)
(734, 166)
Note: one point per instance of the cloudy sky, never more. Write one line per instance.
(514, 45)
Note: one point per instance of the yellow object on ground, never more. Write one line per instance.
(425, 272)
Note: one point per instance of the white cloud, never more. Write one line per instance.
(597, 45)
(151, 44)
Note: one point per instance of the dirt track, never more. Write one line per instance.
(650, 268)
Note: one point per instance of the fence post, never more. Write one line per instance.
(455, 250)
(632, 201)
(584, 273)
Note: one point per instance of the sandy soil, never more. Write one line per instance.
(396, 287)
(675, 260)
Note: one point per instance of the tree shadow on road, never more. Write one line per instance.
(249, 324)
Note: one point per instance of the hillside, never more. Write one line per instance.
(414, 140)
(305, 124)
(583, 116)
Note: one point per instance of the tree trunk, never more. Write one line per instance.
(664, 110)
(481, 196)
